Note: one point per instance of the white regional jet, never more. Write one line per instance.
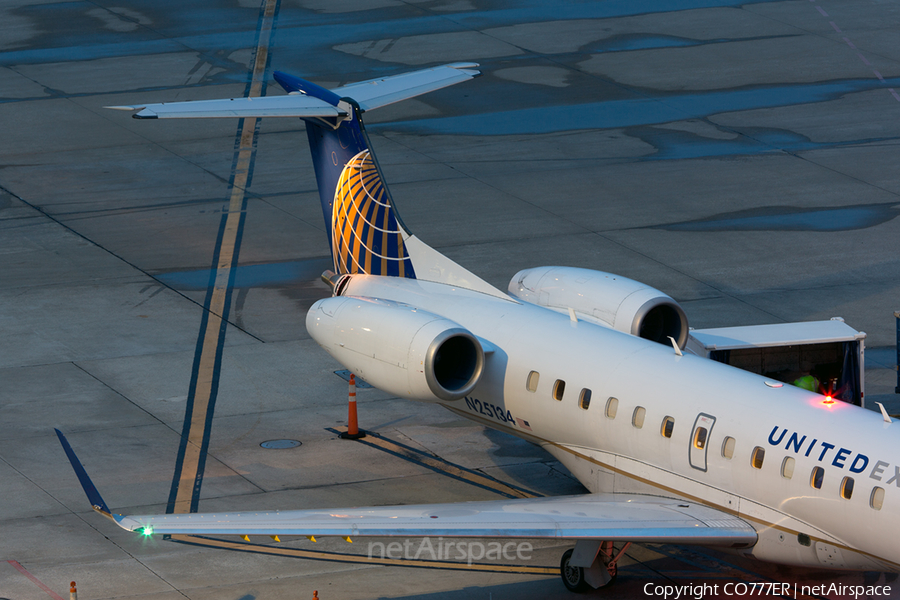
(674, 448)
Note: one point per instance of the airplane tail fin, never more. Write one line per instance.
(364, 230)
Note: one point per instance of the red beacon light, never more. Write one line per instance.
(828, 401)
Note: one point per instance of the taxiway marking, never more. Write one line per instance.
(858, 53)
(190, 464)
(18, 567)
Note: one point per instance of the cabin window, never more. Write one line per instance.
(728, 448)
(757, 458)
(584, 399)
(668, 425)
(700, 438)
(876, 500)
(787, 467)
(816, 478)
(559, 388)
(847, 488)
(532, 382)
(612, 407)
(637, 419)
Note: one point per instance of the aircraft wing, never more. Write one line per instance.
(596, 516)
(610, 517)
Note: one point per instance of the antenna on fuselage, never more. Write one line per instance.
(887, 417)
(675, 345)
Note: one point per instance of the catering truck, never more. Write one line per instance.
(825, 356)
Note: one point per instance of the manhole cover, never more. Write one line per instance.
(281, 444)
(345, 375)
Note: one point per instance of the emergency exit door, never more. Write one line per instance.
(700, 436)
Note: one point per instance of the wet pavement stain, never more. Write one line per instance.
(626, 43)
(781, 218)
(277, 275)
(215, 26)
(648, 108)
(674, 144)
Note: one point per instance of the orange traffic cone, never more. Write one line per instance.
(353, 432)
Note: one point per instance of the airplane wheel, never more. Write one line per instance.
(573, 577)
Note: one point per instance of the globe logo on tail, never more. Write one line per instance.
(366, 236)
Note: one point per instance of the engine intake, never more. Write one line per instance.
(453, 363)
(398, 348)
(618, 302)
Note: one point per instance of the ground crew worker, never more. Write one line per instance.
(807, 382)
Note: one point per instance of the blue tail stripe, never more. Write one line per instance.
(363, 228)
(295, 84)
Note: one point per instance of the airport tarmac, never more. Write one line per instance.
(155, 276)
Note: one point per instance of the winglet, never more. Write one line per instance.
(89, 489)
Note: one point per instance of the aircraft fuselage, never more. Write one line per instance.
(650, 443)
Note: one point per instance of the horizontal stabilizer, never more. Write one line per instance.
(375, 93)
(292, 105)
(368, 94)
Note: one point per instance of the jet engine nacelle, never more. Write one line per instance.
(621, 303)
(398, 348)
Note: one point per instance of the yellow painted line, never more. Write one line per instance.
(363, 559)
(206, 370)
(442, 466)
